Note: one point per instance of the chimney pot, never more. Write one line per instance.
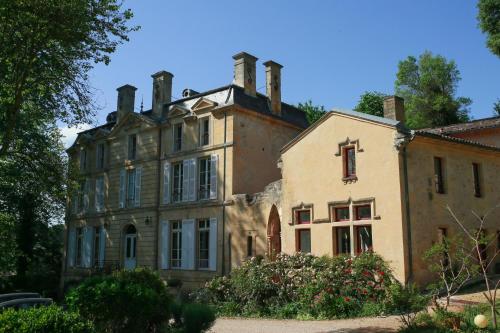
(244, 72)
(126, 101)
(162, 91)
(394, 108)
(273, 85)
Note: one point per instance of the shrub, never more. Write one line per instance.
(127, 301)
(197, 318)
(405, 301)
(301, 285)
(50, 319)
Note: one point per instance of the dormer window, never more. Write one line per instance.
(178, 137)
(204, 127)
(132, 147)
(349, 156)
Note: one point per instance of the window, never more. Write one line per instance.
(249, 246)
(83, 159)
(438, 174)
(97, 236)
(178, 171)
(203, 243)
(343, 240)
(99, 194)
(131, 187)
(79, 246)
(178, 137)
(363, 212)
(132, 147)
(342, 214)
(303, 240)
(477, 184)
(349, 162)
(204, 179)
(303, 216)
(176, 245)
(204, 127)
(364, 239)
(81, 197)
(100, 156)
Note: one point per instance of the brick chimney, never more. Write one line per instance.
(273, 85)
(394, 108)
(244, 72)
(126, 101)
(162, 91)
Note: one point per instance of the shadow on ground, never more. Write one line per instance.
(367, 329)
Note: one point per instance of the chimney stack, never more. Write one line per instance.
(126, 101)
(394, 108)
(162, 91)
(244, 72)
(273, 85)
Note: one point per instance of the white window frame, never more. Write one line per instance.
(174, 136)
(204, 190)
(176, 233)
(178, 188)
(130, 188)
(201, 122)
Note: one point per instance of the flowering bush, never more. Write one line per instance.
(301, 285)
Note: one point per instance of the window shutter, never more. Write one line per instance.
(86, 193)
(213, 176)
(102, 245)
(70, 254)
(88, 237)
(137, 194)
(185, 180)
(122, 188)
(166, 183)
(188, 244)
(212, 246)
(192, 179)
(165, 245)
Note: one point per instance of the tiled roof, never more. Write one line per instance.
(366, 116)
(474, 125)
(430, 134)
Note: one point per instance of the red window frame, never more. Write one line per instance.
(356, 212)
(336, 214)
(338, 230)
(298, 245)
(358, 238)
(297, 216)
(347, 173)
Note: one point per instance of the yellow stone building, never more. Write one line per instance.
(195, 186)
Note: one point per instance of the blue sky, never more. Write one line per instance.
(332, 51)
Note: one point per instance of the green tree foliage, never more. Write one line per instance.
(8, 248)
(313, 112)
(371, 102)
(428, 85)
(489, 22)
(48, 48)
(44, 319)
(127, 301)
(496, 108)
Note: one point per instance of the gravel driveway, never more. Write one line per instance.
(358, 325)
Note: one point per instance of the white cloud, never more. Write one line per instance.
(69, 133)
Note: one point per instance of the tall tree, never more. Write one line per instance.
(48, 48)
(428, 85)
(313, 112)
(489, 22)
(371, 102)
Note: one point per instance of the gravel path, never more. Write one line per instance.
(358, 325)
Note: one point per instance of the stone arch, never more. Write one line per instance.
(273, 233)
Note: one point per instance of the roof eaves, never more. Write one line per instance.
(455, 140)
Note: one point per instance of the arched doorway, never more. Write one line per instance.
(130, 247)
(273, 233)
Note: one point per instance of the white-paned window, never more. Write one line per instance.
(178, 173)
(99, 194)
(203, 243)
(176, 250)
(204, 178)
(204, 128)
(131, 187)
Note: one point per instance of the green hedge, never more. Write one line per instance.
(50, 319)
(302, 286)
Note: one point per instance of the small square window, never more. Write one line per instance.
(342, 214)
(303, 216)
(363, 212)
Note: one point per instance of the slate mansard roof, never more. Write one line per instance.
(223, 96)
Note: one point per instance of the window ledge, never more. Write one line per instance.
(348, 180)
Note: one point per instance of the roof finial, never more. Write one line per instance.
(142, 103)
